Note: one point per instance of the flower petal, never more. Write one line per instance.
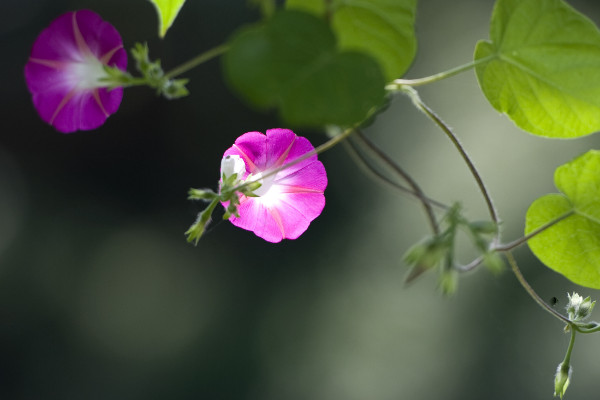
(251, 146)
(311, 176)
(288, 218)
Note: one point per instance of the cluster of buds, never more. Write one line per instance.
(579, 308)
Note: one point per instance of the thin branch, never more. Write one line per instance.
(194, 62)
(470, 266)
(454, 139)
(517, 271)
(409, 180)
(365, 164)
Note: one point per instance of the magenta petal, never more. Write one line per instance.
(287, 219)
(64, 69)
(251, 146)
(288, 202)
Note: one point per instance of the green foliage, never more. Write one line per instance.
(439, 250)
(383, 29)
(543, 67)
(153, 75)
(316, 7)
(572, 246)
(167, 11)
(292, 63)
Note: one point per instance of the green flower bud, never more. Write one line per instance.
(448, 282)
(562, 379)
(493, 261)
(483, 227)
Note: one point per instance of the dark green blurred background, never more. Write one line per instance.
(102, 298)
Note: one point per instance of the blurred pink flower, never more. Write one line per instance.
(290, 199)
(64, 69)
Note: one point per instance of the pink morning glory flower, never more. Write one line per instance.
(64, 71)
(286, 202)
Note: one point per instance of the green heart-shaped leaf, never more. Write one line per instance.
(167, 11)
(543, 67)
(383, 29)
(571, 247)
(293, 63)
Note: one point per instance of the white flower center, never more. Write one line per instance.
(87, 74)
(266, 184)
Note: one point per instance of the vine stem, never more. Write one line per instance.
(517, 271)
(363, 162)
(520, 241)
(567, 360)
(409, 180)
(414, 95)
(442, 75)
(194, 62)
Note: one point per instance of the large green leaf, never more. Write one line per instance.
(544, 67)
(383, 29)
(167, 11)
(572, 246)
(292, 63)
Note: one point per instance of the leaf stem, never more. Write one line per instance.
(194, 62)
(595, 327)
(404, 175)
(520, 241)
(439, 76)
(517, 271)
(414, 95)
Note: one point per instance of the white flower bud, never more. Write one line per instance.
(579, 308)
(233, 164)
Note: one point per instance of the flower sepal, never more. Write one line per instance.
(116, 77)
(202, 194)
(195, 232)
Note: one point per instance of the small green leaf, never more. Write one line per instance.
(292, 63)
(167, 11)
(543, 67)
(571, 247)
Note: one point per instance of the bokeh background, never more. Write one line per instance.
(102, 298)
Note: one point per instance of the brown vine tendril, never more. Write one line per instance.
(365, 164)
(404, 175)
